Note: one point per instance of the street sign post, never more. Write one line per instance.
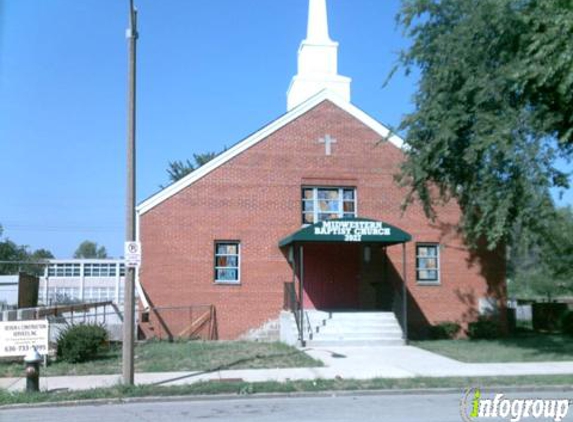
(130, 232)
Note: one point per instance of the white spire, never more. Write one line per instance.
(317, 22)
(317, 61)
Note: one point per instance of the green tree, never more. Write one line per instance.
(493, 110)
(542, 265)
(10, 251)
(90, 250)
(557, 249)
(202, 159)
(178, 169)
(39, 256)
(19, 255)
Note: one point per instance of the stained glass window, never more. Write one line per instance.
(227, 265)
(427, 264)
(320, 204)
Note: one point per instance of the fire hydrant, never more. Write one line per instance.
(32, 361)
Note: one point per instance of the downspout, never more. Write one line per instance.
(141, 293)
(404, 294)
(301, 278)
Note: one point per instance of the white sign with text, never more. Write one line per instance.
(352, 230)
(17, 338)
(132, 254)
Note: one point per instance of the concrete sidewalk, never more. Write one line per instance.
(343, 362)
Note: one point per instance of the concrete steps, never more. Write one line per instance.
(354, 329)
(355, 343)
(347, 332)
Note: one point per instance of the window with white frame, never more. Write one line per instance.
(64, 270)
(100, 270)
(227, 262)
(428, 263)
(320, 204)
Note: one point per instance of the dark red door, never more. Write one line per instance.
(332, 276)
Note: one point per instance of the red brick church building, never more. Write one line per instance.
(305, 214)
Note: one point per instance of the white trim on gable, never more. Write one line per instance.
(264, 133)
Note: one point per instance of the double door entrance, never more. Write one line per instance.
(347, 276)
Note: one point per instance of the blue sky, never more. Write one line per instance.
(210, 73)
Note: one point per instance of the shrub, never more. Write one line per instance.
(82, 342)
(567, 323)
(548, 316)
(511, 320)
(484, 329)
(444, 331)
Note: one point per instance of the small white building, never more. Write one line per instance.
(82, 280)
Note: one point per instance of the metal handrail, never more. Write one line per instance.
(292, 304)
(398, 307)
(309, 330)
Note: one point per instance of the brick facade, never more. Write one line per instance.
(255, 198)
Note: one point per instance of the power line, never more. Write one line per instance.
(25, 262)
(18, 226)
(60, 229)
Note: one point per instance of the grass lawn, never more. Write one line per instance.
(182, 356)
(522, 347)
(241, 388)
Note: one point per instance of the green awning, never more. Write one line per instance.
(348, 230)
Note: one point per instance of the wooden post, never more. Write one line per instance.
(129, 299)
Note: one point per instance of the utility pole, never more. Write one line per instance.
(129, 301)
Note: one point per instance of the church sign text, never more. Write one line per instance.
(352, 231)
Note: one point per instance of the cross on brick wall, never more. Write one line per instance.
(327, 141)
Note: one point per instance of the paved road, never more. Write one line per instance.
(398, 408)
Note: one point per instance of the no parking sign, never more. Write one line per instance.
(132, 254)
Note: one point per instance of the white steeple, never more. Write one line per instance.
(317, 30)
(317, 61)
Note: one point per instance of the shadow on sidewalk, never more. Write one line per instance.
(228, 366)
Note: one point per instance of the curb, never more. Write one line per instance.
(262, 396)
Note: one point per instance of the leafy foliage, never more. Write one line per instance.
(41, 254)
(484, 329)
(444, 330)
(89, 250)
(20, 254)
(10, 251)
(567, 323)
(548, 316)
(542, 265)
(82, 342)
(178, 169)
(493, 111)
